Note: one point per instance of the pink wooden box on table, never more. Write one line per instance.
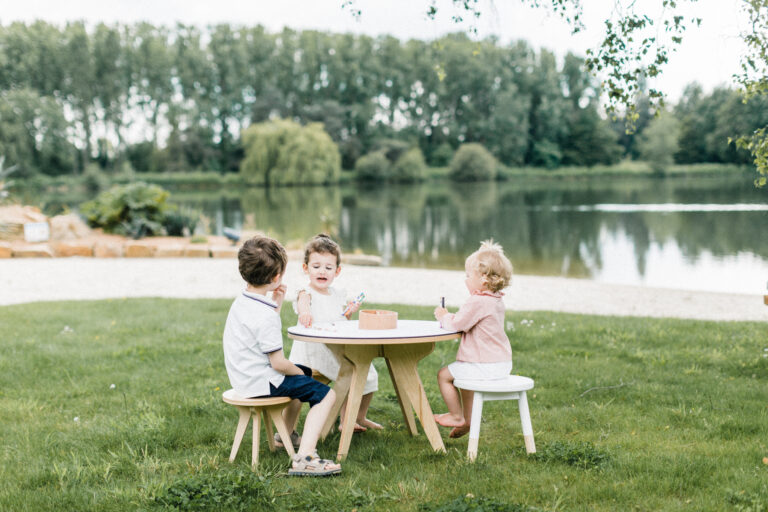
(375, 319)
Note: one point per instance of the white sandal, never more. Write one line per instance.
(311, 465)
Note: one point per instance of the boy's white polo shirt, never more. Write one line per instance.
(253, 330)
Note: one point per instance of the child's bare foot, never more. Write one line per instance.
(358, 428)
(447, 420)
(459, 431)
(370, 424)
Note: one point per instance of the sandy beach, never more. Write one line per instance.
(32, 280)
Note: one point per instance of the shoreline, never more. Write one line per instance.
(35, 280)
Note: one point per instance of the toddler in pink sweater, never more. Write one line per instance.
(484, 351)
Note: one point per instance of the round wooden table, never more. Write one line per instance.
(402, 348)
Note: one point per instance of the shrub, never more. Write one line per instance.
(410, 167)
(181, 221)
(285, 153)
(441, 156)
(136, 209)
(373, 167)
(472, 162)
(393, 148)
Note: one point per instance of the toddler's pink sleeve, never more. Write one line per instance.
(466, 317)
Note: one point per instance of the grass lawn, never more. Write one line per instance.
(116, 405)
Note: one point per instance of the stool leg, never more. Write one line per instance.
(474, 426)
(276, 413)
(270, 431)
(525, 419)
(256, 431)
(242, 424)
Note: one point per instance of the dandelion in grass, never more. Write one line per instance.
(112, 386)
(77, 419)
(66, 330)
(510, 326)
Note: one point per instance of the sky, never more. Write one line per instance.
(708, 55)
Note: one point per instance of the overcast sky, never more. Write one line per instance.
(708, 55)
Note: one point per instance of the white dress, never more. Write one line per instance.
(326, 310)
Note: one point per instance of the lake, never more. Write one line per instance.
(696, 232)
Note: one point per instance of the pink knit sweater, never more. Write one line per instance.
(481, 319)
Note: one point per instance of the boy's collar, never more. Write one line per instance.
(260, 298)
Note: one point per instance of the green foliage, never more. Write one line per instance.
(582, 455)
(748, 501)
(442, 155)
(181, 221)
(373, 167)
(233, 490)
(658, 143)
(409, 167)
(285, 153)
(470, 503)
(136, 209)
(472, 162)
(94, 179)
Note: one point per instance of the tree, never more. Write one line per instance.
(658, 143)
(285, 153)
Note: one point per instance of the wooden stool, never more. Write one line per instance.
(256, 407)
(511, 388)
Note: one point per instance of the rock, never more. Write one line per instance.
(68, 227)
(361, 259)
(67, 249)
(136, 249)
(13, 218)
(108, 250)
(33, 251)
(197, 251)
(5, 250)
(224, 251)
(169, 251)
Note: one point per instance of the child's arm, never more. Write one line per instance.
(278, 295)
(304, 308)
(444, 317)
(281, 364)
(354, 305)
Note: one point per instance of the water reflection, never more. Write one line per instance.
(676, 232)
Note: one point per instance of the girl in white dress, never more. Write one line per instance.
(320, 305)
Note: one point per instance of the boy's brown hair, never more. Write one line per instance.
(260, 259)
(322, 243)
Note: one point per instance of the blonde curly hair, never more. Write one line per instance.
(491, 263)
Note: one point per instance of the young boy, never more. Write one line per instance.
(253, 351)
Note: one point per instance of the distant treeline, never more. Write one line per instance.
(176, 99)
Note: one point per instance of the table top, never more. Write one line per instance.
(348, 333)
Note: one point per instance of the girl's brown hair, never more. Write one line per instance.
(322, 243)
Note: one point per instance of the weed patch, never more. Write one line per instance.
(470, 503)
(236, 490)
(582, 455)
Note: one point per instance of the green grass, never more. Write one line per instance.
(628, 414)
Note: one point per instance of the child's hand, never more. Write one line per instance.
(305, 319)
(440, 312)
(278, 294)
(352, 307)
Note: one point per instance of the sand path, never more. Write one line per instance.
(31, 280)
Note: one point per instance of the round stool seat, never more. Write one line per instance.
(233, 398)
(511, 384)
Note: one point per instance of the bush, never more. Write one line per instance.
(181, 221)
(472, 162)
(410, 167)
(285, 153)
(393, 148)
(136, 209)
(373, 167)
(441, 157)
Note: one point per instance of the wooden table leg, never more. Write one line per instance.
(340, 387)
(403, 361)
(405, 405)
(360, 356)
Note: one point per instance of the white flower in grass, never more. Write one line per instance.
(77, 419)
(510, 326)
(112, 386)
(67, 329)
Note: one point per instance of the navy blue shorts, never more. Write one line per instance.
(302, 387)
